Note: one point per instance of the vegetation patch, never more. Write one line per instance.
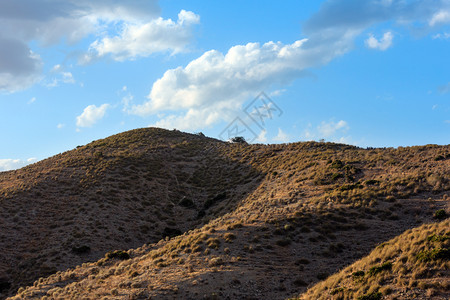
(371, 296)
(119, 254)
(434, 254)
(377, 269)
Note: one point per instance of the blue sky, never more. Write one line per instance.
(368, 73)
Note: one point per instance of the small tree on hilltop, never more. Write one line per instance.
(238, 139)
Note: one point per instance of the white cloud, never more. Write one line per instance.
(262, 137)
(60, 126)
(64, 77)
(141, 32)
(32, 100)
(441, 17)
(214, 86)
(384, 43)
(328, 130)
(91, 115)
(12, 164)
(141, 40)
(281, 136)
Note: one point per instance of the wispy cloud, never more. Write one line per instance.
(328, 130)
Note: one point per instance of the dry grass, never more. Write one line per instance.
(413, 265)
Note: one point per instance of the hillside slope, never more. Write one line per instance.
(117, 193)
(247, 221)
(414, 265)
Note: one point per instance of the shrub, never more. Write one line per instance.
(283, 242)
(216, 261)
(81, 249)
(302, 261)
(238, 139)
(186, 202)
(377, 269)
(438, 238)
(337, 164)
(435, 254)
(300, 282)
(213, 243)
(119, 254)
(440, 214)
(337, 290)
(358, 274)
(229, 237)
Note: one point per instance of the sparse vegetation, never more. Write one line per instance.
(204, 217)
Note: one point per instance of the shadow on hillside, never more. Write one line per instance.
(116, 200)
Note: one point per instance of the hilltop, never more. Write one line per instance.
(196, 217)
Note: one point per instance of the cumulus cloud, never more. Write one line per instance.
(12, 164)
(49, 22)
(91, 115)
(382, 44)
(214, 86)
(137, 40)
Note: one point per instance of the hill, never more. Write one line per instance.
(207, 219)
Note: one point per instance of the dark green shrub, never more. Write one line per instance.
(119, 254)
(377, 269)
(238, 139)
(336, 291)
(371, 296)
(337, 164)
(435, 254)
(186, 202)
(171, 232)
(438, 238)
(81, 249)
(358, 274)
(283, 242)
(300, 282)
(440, 214)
